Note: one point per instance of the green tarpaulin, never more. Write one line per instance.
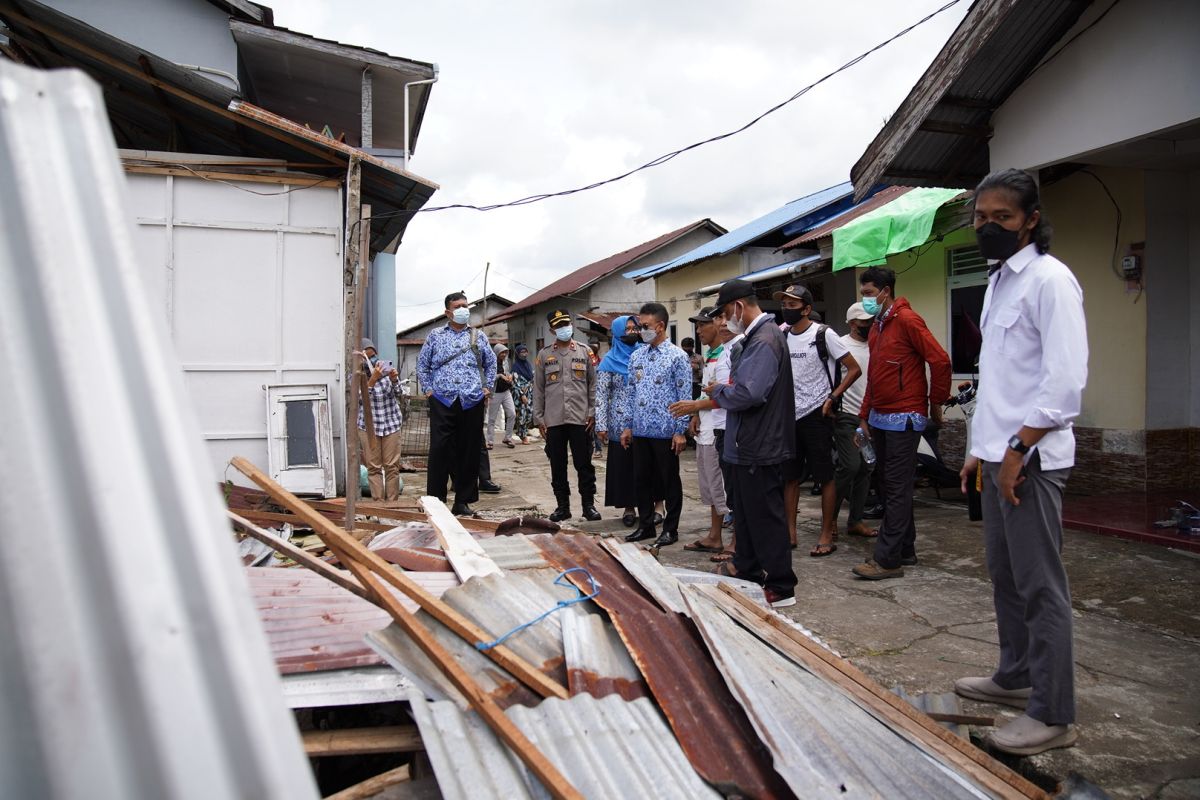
(900, 225)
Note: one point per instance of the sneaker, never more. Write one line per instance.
(1026, 736)
(986, 690)
(779, 599)
(872, 571)
(487, 487)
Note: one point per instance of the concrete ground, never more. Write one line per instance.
(1137, 624)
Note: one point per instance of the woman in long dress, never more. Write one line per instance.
(522, 392)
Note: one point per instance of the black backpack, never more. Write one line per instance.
(823, 354)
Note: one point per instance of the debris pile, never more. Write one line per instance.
(560, 664)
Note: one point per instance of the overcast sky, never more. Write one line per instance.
(542, 95)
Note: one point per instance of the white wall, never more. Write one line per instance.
(183, 31)
(251, 288)
(1133, 74)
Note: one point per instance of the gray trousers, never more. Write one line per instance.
(852, 475)
(1029, 586)
(501, 401)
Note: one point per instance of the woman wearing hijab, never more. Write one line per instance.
(522, 392)
(620, 490)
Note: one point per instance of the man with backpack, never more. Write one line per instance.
(456, 369)
(819, 360)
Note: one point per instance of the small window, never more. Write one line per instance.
(301, 427)
(966, 284)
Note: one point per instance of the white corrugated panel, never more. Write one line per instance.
(131, 661)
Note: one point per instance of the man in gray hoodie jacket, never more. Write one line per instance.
(759, 437)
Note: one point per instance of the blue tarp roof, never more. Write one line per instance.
(808, 211)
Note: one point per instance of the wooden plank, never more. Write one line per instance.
(902, 716)
(259, 177)
(389, 512)
(351, 553)
(373, 786)
(351, 336)
(362, 741)
(368, 574)
(462, 551)
(272, 516)
(290, 550)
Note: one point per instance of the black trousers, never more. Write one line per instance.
(454, 437)
(896, 453)
(763, 554)
(579, 439)
(656, 470)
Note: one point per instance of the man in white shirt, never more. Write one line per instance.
(852, 474)
(817, 359)
(1032, 370)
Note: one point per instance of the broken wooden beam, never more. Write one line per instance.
(362, 741)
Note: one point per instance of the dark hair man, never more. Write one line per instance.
(1032, 370)
(659, 375)
(817, 358)
(759, 437)
(456, 369)
(564, 409)
(697, 362)
(898, 404)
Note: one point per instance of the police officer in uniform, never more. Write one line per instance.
(564, 410)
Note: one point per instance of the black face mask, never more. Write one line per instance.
(792, 316)
(863, 330)
(997, 242)
(630, 338)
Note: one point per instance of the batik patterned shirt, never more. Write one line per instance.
(450, 368)
(385, 407)
(610, 399)
(659, 375)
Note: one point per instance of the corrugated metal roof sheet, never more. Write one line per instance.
(824, 744)
(709, 723)
(854, 212)
(587, 275)
(132, 665)
(313, 624)
(514, 552)
(345, 687)
(597, 662)
(938, 136)
(606, 748)
(748, 233)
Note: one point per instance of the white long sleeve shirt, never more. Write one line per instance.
(1033, 364)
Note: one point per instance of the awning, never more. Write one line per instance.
(765, 274)
(900, 225)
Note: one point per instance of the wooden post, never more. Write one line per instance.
(350, 551)
(352, 245)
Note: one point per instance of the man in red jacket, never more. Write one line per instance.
(898, 404)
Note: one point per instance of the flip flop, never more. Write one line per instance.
(697, 547)
(858, 532)
(726, 568)
(722, 557)
(822, 550)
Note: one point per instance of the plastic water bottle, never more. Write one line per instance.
(864, 446)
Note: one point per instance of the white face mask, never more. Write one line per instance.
(649, 335)
(564, 333)
(462, 315)
(734, 322)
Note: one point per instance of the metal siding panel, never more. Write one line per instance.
(132, 665)
(311, 327)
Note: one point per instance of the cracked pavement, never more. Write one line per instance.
(1137, 624)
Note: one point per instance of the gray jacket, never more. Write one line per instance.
(760, 425)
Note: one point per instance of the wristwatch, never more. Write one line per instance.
(1016, 444)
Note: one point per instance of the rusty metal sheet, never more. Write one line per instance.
(597, 661)
(312, 624)
(514, 553)
(711, 726)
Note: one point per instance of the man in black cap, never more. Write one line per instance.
(564, 410)
(759, 438)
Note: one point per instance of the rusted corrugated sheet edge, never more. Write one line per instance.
(597, 661)
(817, 733)
(607, 748)
(708, 722)
(646, 570)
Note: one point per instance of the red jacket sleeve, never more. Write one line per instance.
(935, 356)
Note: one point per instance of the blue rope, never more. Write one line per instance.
(558, 581)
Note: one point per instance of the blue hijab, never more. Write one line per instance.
(617, 358)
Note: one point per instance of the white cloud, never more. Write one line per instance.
(544, 95)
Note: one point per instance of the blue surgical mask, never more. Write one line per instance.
(871, 305)
(462, 315)
(564, 333)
